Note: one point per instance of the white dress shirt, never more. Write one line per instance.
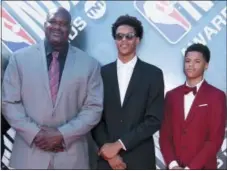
(188, 100)
(124, 74)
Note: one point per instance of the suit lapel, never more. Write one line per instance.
(67, 72)
(44, 70)
(134, 81)
(198, 98)
(114, 84)
(180, 106)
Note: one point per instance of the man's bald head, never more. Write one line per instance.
(61, 11)
(57, 27)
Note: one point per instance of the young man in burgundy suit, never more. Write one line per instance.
(193, 128)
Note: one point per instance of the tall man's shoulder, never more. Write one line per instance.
(83, 56)
(150, 67)
(27, 52)
(108, 67)
(151, 72)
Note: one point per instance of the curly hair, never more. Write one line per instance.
(130, 21)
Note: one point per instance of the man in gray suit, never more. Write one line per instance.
(52, 97)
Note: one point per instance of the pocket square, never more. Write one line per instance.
(203, 105)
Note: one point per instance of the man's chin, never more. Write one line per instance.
(56, 41)
(192, 76)
(124, 53)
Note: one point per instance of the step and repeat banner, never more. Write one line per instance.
(169, 27)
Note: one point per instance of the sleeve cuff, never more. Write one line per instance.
(30, 139)
(62, 130)
(122, 144)
(173, 164)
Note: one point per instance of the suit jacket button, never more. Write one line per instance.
(121, 121)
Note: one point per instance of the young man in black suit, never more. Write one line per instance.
(133, 104)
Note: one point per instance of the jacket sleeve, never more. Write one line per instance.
(99, 132)
(12, 106)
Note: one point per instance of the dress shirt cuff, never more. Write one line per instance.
(173, 164)
(187, 168)
(122, 144)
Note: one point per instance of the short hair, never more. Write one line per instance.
(130, 21)
(198, 47)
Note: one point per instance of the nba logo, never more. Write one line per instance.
(165, 18)
(14, 36)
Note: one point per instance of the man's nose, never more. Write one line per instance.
(56, 26)
(123, 38)
(191, 65)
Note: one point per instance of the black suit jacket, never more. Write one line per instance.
(137, 119)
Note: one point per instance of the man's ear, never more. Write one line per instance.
(45, 24)
(206, 66)
(137, 40)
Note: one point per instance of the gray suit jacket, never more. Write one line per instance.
(5, 61)
(27, 105)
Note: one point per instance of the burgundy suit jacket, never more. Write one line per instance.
(193, 142)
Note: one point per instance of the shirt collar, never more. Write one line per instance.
(130, 63)
(49, 49)
(198, 85)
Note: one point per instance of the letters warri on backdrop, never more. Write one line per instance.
(169, 27)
